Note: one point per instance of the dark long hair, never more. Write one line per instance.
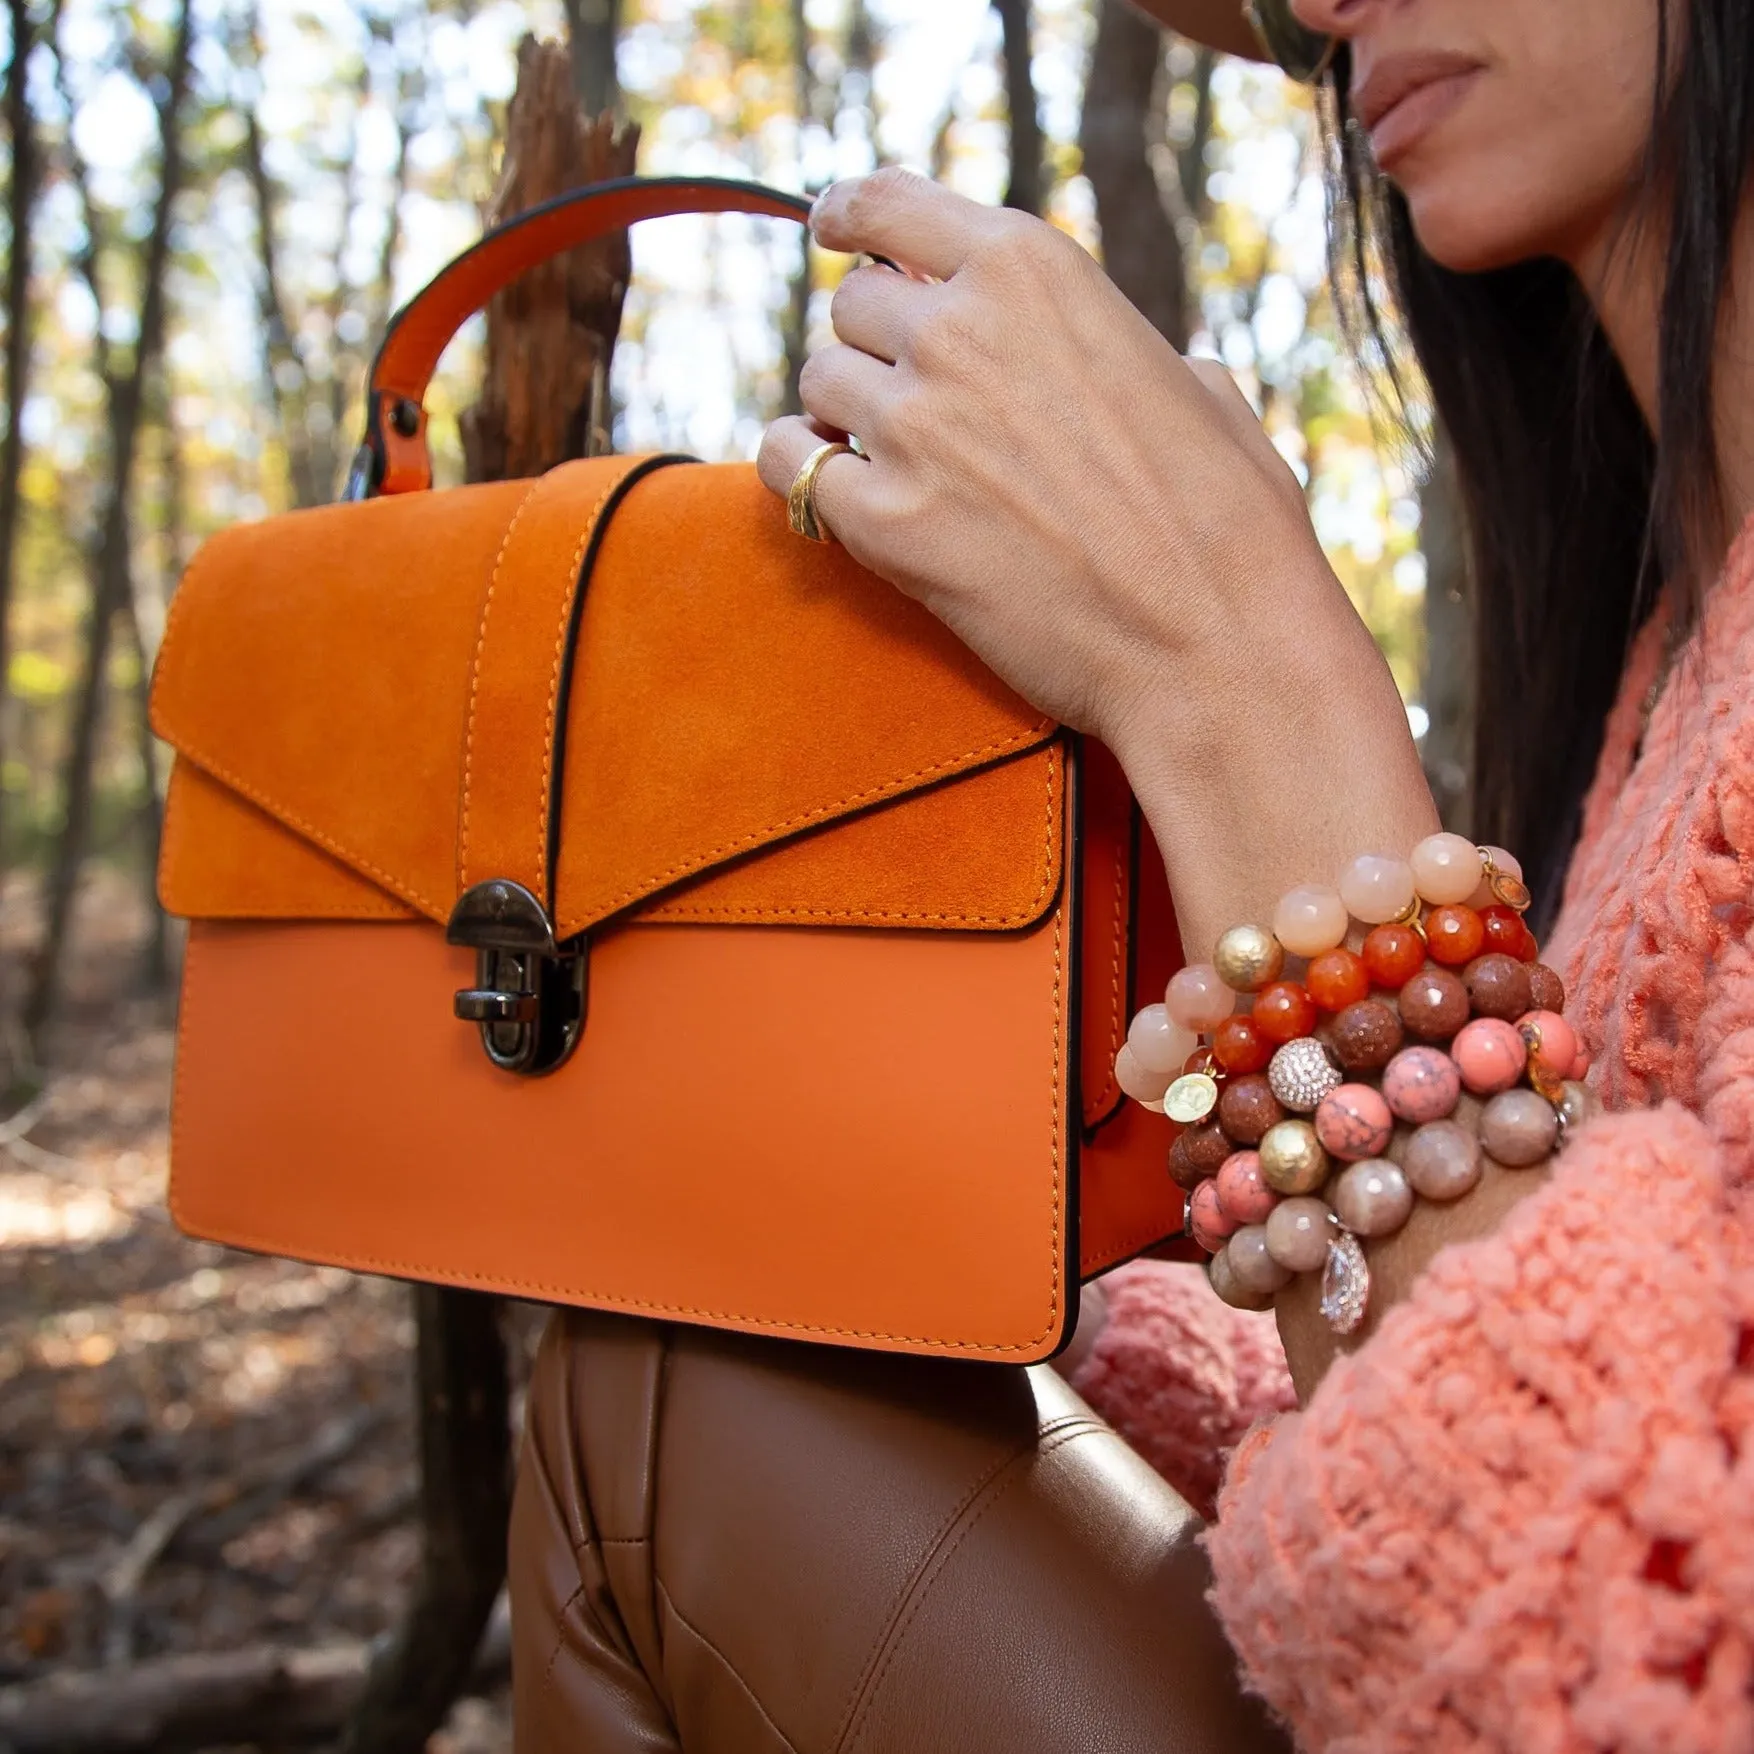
(1574, 513)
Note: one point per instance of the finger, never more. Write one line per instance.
(900, 214)
(842, 483)
(846, 389)
(876, 310)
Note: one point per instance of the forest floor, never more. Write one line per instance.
(200, 1451)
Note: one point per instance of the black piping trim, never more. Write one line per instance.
(575, 619)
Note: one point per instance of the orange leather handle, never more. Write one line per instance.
(393, 458)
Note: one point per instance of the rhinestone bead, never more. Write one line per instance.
(1301, 1074)
(1310, 919)
(1248, 958)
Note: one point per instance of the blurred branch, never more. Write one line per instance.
(593, 28)
(21, 201)
(110, 564)
(1025, 187)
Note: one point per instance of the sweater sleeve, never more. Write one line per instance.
(1522, 1516)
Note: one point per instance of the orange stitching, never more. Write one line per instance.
(550, 728)
(1031, 911)
(601, 907)
(281, 814)
(475, 680)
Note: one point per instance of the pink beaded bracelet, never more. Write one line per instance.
(1386, 1037)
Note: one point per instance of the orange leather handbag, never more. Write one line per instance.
(601, 895)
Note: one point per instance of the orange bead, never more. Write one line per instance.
(1283, 1012)
(1393, 955)
(1507, 932)
(1239, 1047)
(1454, 935)
(1337, 978)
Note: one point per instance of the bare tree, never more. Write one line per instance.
(20, 210)
(1025, 186)
(1449, 642)
(111, 582)
(1141, 246)
(592, 28)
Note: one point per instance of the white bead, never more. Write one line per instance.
(1140, 1084)
(1310, 919)
(1376, 888)
(1197, 999)
(1446, 869)
(1159, 1043)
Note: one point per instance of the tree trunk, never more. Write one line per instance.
(543, 400)
(1448, 750)
(796, 335)
(1140, 245)
(593, 27)
(110, 568)
(21, 204)
(1025, 187)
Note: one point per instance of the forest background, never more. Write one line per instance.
(211, 209)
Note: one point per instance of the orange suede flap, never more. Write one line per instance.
(757, 728)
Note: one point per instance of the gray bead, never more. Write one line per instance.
(1442, 1160)
(1519, 1128)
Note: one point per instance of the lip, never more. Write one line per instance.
(1401, 98)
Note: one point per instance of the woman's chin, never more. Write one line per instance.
(1459, 231)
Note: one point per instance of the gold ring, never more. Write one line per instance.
(801, 511)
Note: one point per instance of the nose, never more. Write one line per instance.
(1335, 18)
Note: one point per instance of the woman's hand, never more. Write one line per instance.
(1089, 511)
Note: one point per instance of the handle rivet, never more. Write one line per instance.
(405, 417)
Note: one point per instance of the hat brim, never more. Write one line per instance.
(1219, 24)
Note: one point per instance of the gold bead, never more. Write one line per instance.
(1292, 1158)
(1248, 958)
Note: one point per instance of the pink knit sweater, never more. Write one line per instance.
(1522, 1516)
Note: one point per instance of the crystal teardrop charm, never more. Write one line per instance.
(1345, 1283)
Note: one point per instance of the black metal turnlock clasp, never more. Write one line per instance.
(529, 992)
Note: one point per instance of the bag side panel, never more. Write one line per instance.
(791, 1132)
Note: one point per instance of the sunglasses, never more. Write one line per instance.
(1302, 54)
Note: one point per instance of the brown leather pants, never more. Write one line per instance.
(737, 1546)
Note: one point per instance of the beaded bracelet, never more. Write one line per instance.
(1399, 1029)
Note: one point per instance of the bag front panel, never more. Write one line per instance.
(816, 1133)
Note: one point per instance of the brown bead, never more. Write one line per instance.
(1498, 986)
(1197, 1153)
(1434, 1004)
(1366, 1036)
(1546, 989)
(1248, 1108)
